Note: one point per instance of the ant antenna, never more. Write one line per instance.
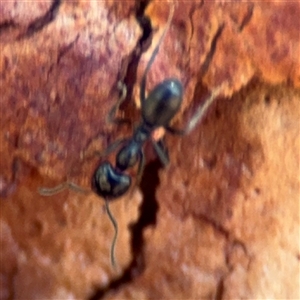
(143, 81)
(202, 109)
(142, 94)
(62, 187)
(115, 224)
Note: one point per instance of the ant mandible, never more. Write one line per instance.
(157, 110)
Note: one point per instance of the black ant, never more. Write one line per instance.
(157, 110)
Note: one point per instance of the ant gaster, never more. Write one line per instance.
(157, 110)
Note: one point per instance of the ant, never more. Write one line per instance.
(157, 110)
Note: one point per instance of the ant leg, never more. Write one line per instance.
(111, 118)
(61, 187)
(155, 51)
(72, 186)
(112, 147)
(140, 172)
(115, 225)
(140, 168)
(161, 152)
(198, 115)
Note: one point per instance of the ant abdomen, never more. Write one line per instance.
(110, 183)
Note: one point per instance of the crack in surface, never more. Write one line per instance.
(64, 50)
(148, 211)
(129, 66)
(222, 230)
(192, 11)
(42, 21)
(246, 20)
(205, 66)
(6, 25)
(200, 88)
(150, 180)
(188, 46)
(232, 242)
(219, 289)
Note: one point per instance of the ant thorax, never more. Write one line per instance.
(142, 133)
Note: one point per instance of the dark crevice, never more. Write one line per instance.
(231, 243)
(42, 21)
(150, 180)
(201, 91)
(128, 72)
(6, 25)
(66, 49)
(223, 231)
(219, 290)
(19, 170)
(194, 8)
(148, 186)
(267, 99)
(63, 51)
(217, 226)
(143, 20)
(210, 54)
(247, 18)
(148, 211)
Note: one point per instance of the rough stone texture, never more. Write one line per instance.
(222, 221)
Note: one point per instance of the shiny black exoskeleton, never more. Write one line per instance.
(157, 111)
(110, 182)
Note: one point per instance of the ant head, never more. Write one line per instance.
(109, 183)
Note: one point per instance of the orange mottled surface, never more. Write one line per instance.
(221, 221)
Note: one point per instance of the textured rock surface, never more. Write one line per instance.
(222, 221)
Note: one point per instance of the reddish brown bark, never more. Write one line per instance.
(222, 221)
